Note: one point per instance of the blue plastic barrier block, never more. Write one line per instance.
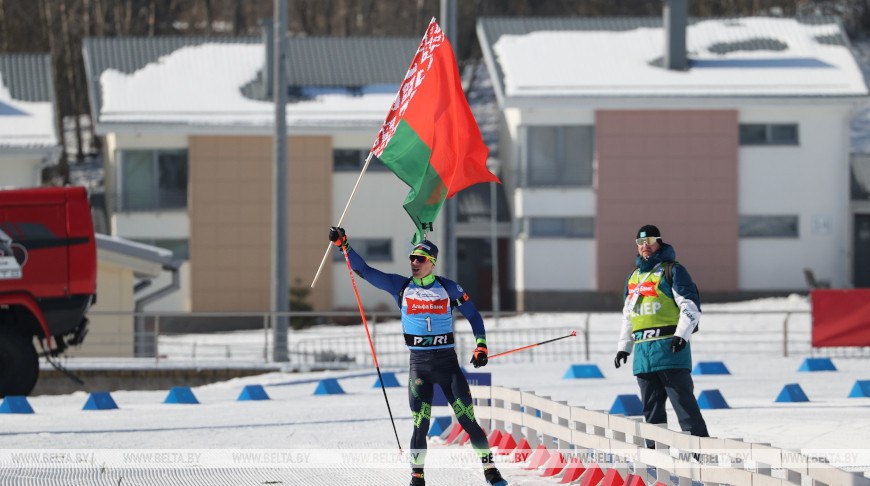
(253, 392)
(627, 405)
(100, 401)
(181, 394)
(710, 368)
(817, 364)
(583, 371)
(712, 399)
(792, 393)
(15, 404)
(390, 381)
(478, 379)
(861, 389)
(439, 425)
(328, 386)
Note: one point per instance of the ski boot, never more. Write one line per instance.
(417, 479)
(493, 477)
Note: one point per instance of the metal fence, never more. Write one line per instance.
(337, 340)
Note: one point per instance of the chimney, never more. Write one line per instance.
(676, 17)
(269, 49)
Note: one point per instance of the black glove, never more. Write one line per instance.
(620, 356)
(677, 344)
(338, 237)
(479, 357)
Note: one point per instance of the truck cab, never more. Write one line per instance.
(48, 275)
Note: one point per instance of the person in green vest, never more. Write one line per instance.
(661, 311)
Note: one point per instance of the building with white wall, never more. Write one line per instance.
(738, 150)
(188, 130)
(28, 134)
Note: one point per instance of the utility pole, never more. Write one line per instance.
(451, 268)
(280, 264)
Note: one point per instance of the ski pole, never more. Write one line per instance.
(371, 344)
(573, 333)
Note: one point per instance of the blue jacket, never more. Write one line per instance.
(655, 354)
(440, 321)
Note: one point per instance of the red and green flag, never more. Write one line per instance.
(430, 138)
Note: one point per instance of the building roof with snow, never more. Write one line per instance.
(592, 59)
(27, 115)
(219, 82)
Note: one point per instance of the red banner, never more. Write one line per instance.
(841, 317)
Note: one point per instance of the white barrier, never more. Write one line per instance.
(593, 433)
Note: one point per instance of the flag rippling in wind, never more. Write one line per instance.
(430, 139)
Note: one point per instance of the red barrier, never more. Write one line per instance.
(539, 457)
(506, 445)
(522, 452)
(554, 465)
(841, 317)
(612, 478)
(494, 438)
(592, 476)
(454, 434)
(573, 472)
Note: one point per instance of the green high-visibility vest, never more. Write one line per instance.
(655, 314)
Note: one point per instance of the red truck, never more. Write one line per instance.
(48, 278)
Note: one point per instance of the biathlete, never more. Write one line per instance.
(427, 302)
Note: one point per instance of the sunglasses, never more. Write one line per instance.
(649, 240)
(418, 258)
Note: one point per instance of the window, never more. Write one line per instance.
(353, 160)
(153, 180)
(560, 156)
(574, 227)
(371, 249)
(768, 226)
(768, 134)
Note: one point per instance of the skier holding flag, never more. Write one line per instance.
(427, 302)
(431, 141)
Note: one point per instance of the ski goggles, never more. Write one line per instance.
(649, 240)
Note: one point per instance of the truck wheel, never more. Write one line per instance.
(19, 364)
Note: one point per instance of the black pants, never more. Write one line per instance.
(440, 367)
(676, 385)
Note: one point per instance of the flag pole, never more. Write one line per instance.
(341, 219)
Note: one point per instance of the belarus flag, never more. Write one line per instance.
(430, 138)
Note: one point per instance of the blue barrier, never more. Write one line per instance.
(15, 404)
(817, 364)
(439, 426)
(583, 371)
(329, 386)
(627, 405)
(252, 392)
(390, 380)
(100, 401)
(861, 389)
(710, 368)
(479, 379)
(712, 399)
(181, 394)
(792, 393)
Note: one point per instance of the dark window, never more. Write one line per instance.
(860, 178)
(371, 249)
(352, 160)
(153, 179)
(560, 156)
(769, 226)
(573, 227)
(768, 134)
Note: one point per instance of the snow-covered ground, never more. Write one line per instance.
(297, 437)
